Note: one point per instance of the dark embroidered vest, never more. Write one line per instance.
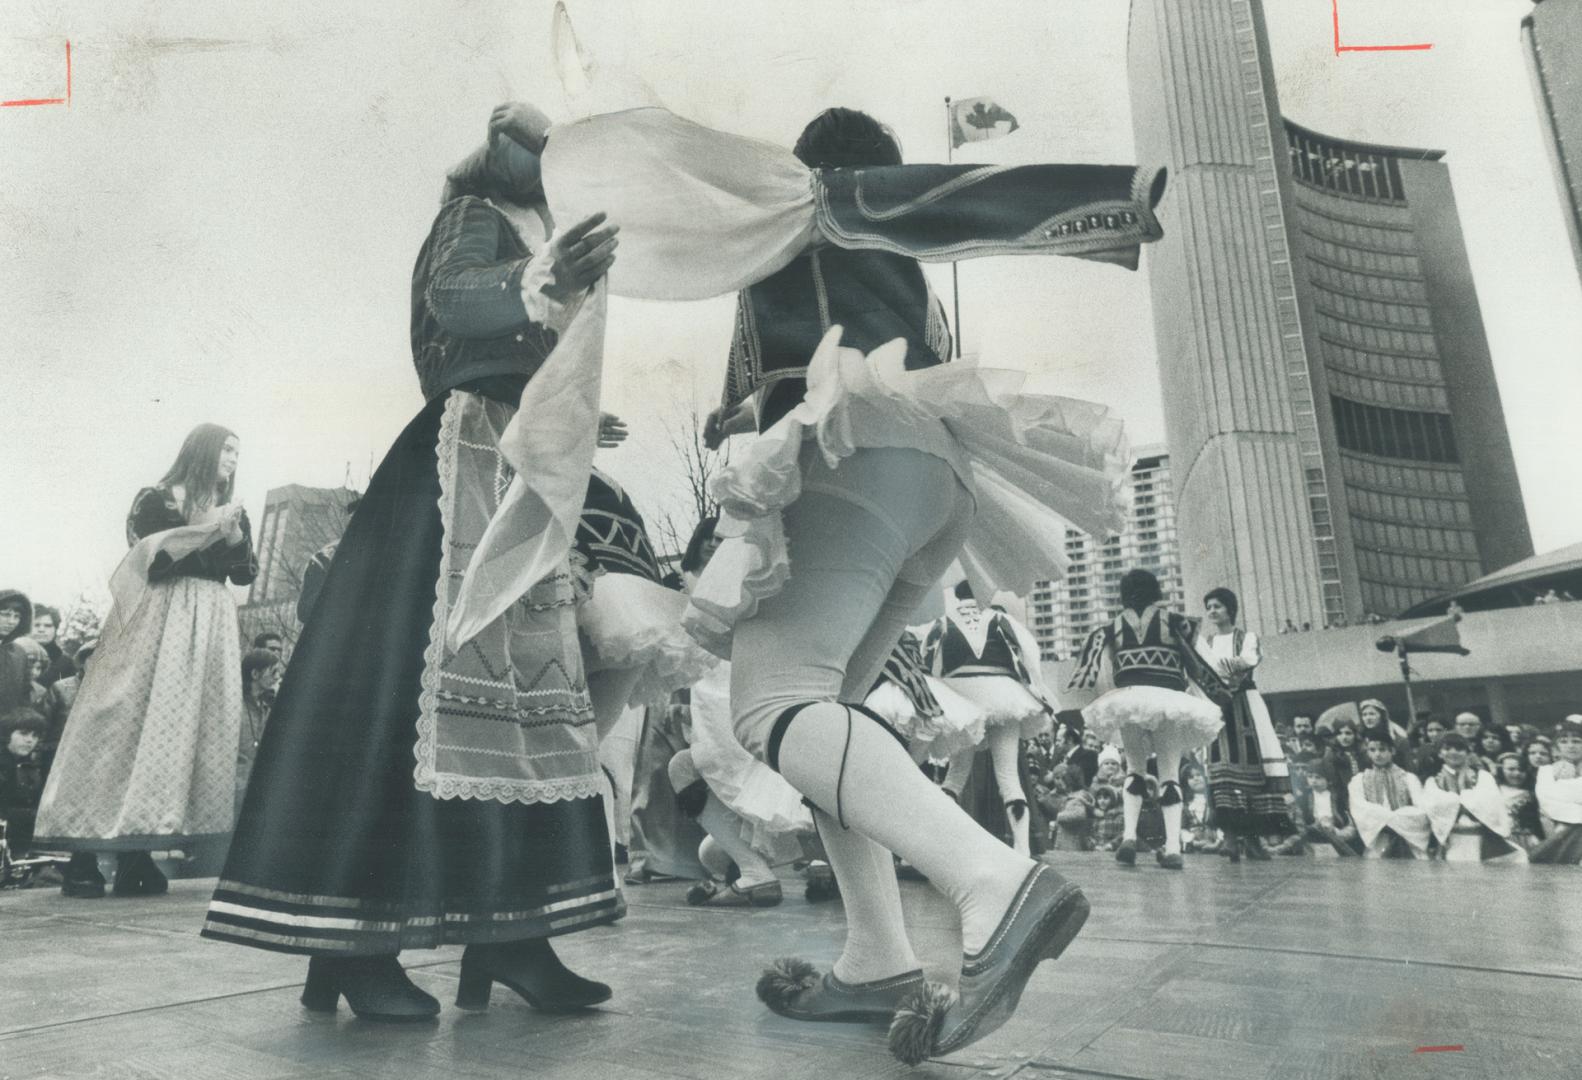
(955, 650)
(875, 297)
(878, 220)
(1146, 654)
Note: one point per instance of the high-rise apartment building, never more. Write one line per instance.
(1063, 612)
(1552, 40)
(1338, 443)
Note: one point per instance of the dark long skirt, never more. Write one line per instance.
(1247, 801)
(336, 850)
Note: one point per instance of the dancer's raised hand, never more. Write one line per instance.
(612, 431)
(522, 122)
(583, 254)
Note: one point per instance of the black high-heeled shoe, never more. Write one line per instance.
(136, 875)
(532, 970)
(1234, 850)
(376, 988)
(81, 879)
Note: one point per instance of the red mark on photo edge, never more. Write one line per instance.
(48, 101)
(1334, 8)
(1439, 1049)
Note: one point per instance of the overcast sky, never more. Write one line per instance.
(222, 226)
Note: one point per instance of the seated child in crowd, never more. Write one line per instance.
(1465, 808)
(1091, 819)
(1321, 808)
(1385, 802)
(1559, 791)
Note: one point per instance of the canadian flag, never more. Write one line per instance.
(976, 119)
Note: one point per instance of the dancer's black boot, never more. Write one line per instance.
(376, 988)
(532, 970)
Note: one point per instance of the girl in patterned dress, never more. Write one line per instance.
(148, 760)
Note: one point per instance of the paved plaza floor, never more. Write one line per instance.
(1293, 969)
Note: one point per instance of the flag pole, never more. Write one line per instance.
(955, 287)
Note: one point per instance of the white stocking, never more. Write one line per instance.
(1004, 743)
(855, 770)
(959, 771)
(1136, 744)
(714, 859)
(725, 829)
(876, 943)
(1169, 758)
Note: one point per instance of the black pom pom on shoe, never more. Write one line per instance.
(783, 980)
(917, 1023)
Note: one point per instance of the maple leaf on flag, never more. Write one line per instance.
(977, 119)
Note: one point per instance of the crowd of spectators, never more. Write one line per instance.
(1078, 783)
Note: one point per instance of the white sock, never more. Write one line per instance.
(725, 829)
(876, 943)
(959, 771)
(1131, 810)
(853, 768)
(1004, 747)
(1173, 828)
(715, 862)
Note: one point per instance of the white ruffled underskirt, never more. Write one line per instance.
(959, 726)
(1191, 721)
(1035, 464)
(631, 622)
(1004, 701)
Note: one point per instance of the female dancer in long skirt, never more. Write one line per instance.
(148, 760)
(1248, 778)
(1151, 654)
(496, 839)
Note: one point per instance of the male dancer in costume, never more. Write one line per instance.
(1151, 653)
(994, 662)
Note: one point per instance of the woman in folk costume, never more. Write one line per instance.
(994, 662)
(148, 760)
(496, 839)
(1149, 650)
(1247, 771)
(752, 816)
(1465, 808)
(1386, 803)
(636, 651)
(1559, 791)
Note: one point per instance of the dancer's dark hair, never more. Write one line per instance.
(1139, 588)
(692, 559)
(846, 138)
(197, 469)
(1226, 597)
(963, 591)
